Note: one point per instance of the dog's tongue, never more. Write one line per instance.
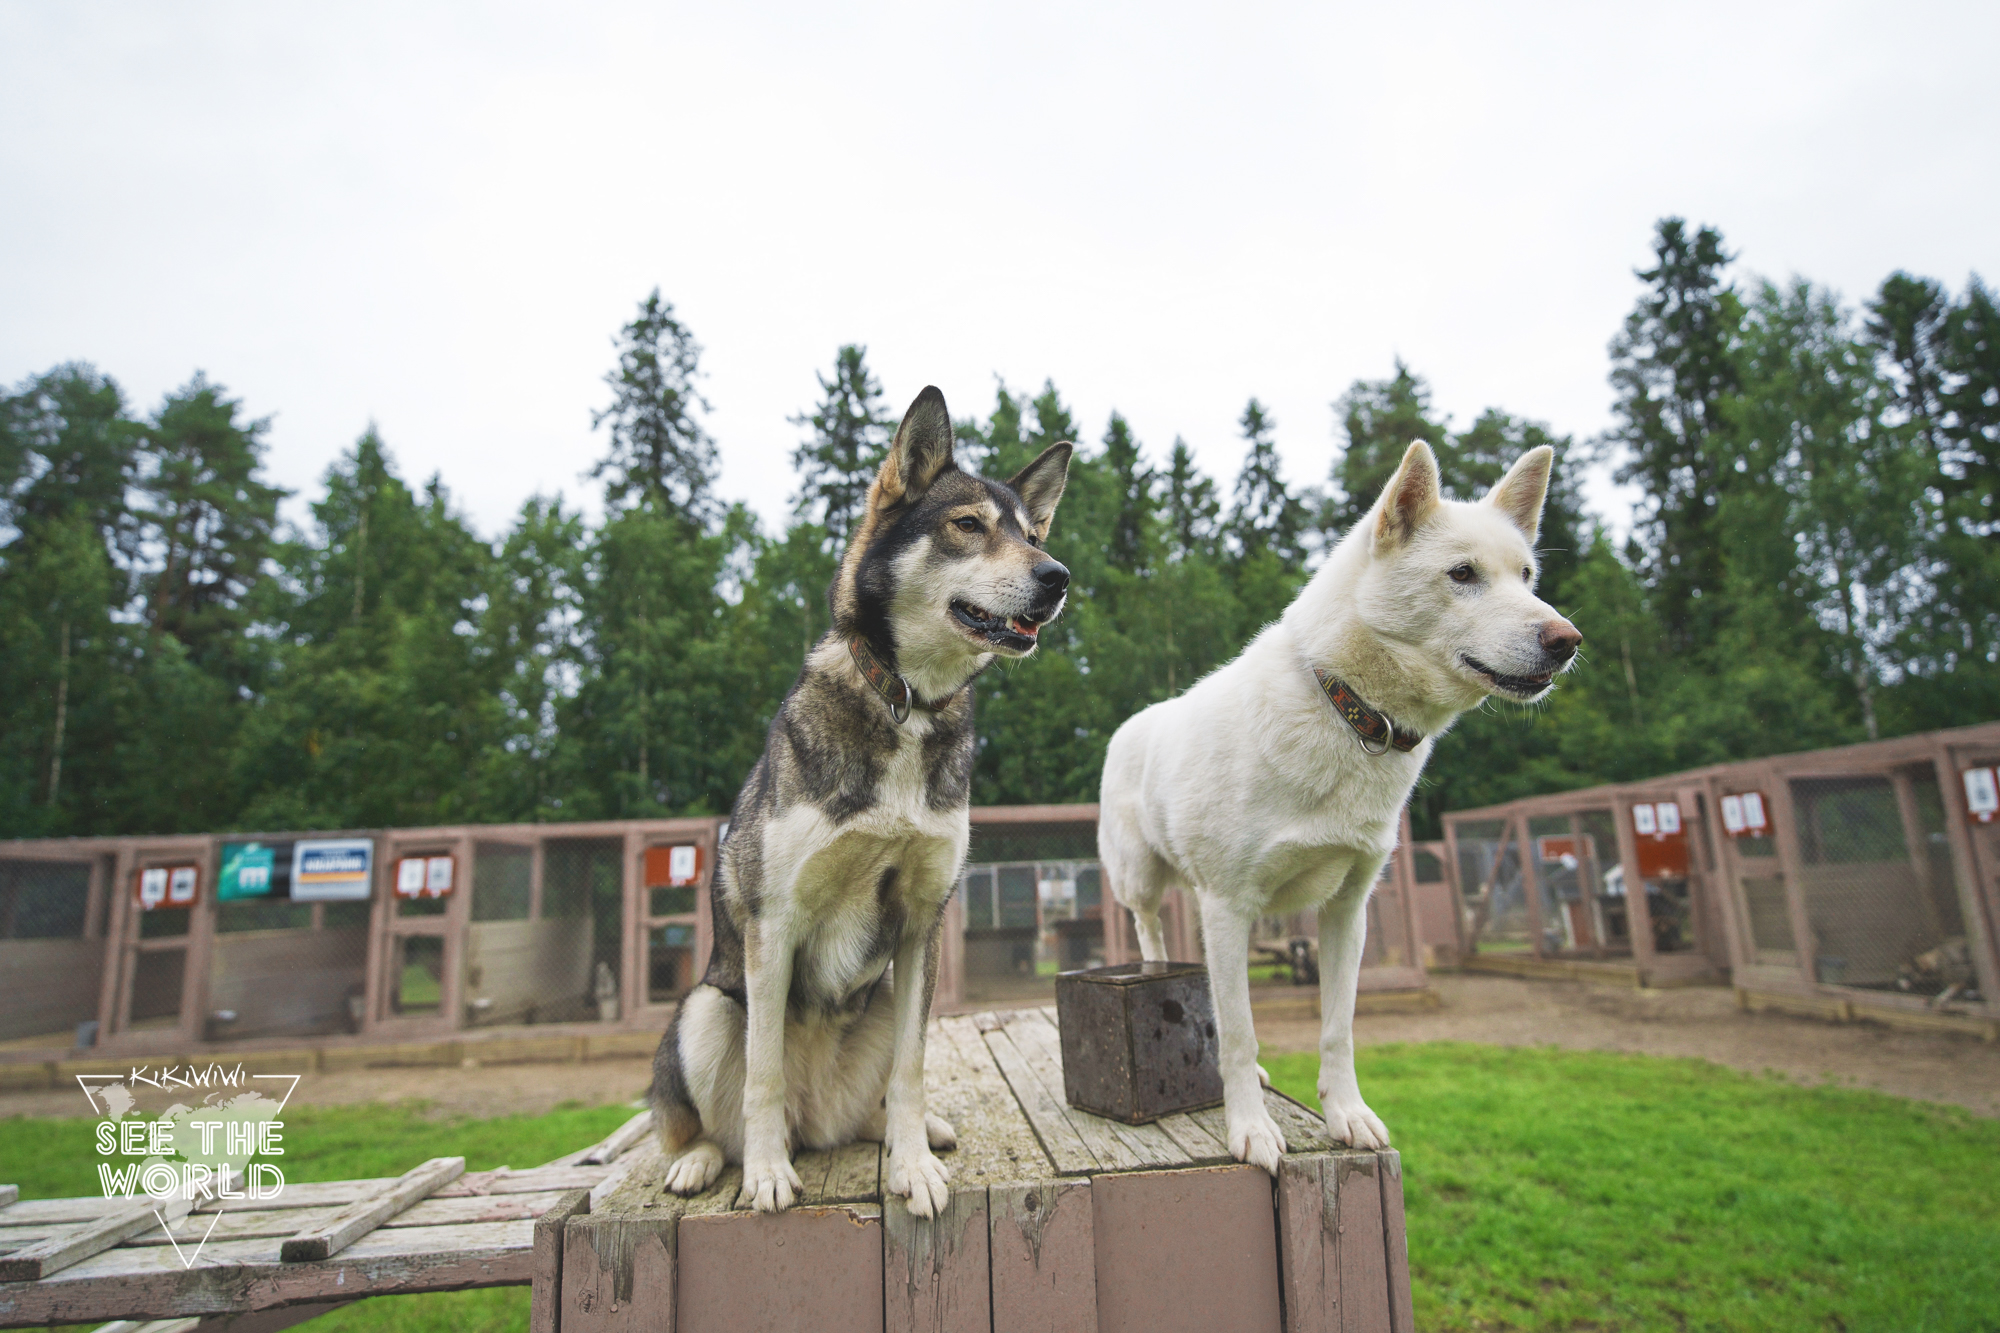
(1026, 628)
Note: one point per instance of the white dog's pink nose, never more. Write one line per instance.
(1559, 639)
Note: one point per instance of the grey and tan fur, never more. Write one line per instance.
(847, 839)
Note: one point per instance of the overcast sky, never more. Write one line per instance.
(435, 216)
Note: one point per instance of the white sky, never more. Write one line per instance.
(435, 216)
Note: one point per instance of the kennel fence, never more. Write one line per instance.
(1858, 878)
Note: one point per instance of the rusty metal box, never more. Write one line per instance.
(1138, 1040)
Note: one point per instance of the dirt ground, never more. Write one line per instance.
(1702, 1022)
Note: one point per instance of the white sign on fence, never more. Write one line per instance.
(1982, 794)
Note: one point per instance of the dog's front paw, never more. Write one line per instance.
(1350, 1121)
(943, 1138)
(1256, 1139)
(769, 1184)
(923, 1179)
(696, 1168)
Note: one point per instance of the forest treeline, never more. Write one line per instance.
(1812, 562)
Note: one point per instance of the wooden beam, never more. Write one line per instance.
(614, 1144)
(58, 1252)
(362, 1216)
(546, 1290)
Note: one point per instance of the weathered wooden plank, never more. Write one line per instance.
(1304, 1129)
(817, 1268)
(853, 1175)
(936, 1274)
(1396, 1243)
(964, 1085)
(19, 1238)
(619, 1261)
(545, 1298)
(357, 1219)
(535, 1180)
(1364, 1267)
(1202, 1147)
(304, 1194)
(40, 1212)
(1185, 1251)
(1064, 1145)
(614, 1144)
(1117, 1146)
(252, 1321)
(1308, 1246)
(1043, 1257)
(31, 1263)
(149, 1280)
(9, 1195)
(636, 1172)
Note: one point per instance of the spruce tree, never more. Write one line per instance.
(1380, 420)
(1673, 367)
(1264, 514)
(1129, 543)
(850, 434)
(1192, 506)
(660, 452)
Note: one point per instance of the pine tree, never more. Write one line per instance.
(660, 452)
(1673, 366)
(1130, 542)
(1265, 515)
(1380, 420)
(850, 434)
(1193, 507)
(210, 518)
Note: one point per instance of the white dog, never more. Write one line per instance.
(1276, 783)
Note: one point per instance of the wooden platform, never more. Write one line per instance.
(1058, 1220)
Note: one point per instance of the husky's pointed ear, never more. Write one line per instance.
(1040, 485)
(921, 450)
(1519, 494)
(1410, 498)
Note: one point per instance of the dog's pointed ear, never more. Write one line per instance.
(1410, 498)
(1040, 485)
(921, 450)
(1520, 494)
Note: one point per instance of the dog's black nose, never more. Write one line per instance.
(1559, 639)
(1051, 575)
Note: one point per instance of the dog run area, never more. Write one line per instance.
(1702, 1022)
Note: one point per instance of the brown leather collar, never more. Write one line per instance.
(1371, 726)
(895, 691)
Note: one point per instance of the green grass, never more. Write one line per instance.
(58, 1158)
(1584, 1190)
(1546, 1189)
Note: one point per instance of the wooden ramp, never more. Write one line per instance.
(1058, 1220)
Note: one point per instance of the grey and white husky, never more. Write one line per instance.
(847, 839)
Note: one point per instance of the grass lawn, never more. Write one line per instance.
(1584, 1190)
(1546, 1190)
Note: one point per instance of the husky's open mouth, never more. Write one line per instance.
(1525, 687)
(1014, 632)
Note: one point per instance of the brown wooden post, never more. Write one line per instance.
(1638, 913)
(1466, 942)
(1971, 875)
(200, 951)
(535, 859)
(1531, 883)
(1791, 864)
(1406, 883)
(111, 987)
(633, 982)
(457, 934)
(1343, 1253)
(545, 1298)
(381, 911)
(1914, 847)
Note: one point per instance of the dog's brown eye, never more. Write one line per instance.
(966, 524)
(1527, 574)
(1462, 573)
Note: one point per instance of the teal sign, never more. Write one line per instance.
(246, 871)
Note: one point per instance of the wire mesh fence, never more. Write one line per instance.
(1032, 905)
(49, 954)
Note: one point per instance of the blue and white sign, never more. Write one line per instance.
(334, 870)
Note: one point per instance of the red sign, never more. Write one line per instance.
(1982, 794)
(1662, 842)
(166, 886)
(673, 867)
(1557, 849)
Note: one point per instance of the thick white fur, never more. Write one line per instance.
(1251, 790)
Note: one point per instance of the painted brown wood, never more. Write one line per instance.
(619, 1258)
(1364, 1267)
(1396, 1243)
(935, 1270)
(31, 1263)
(1043, 1257)
(545, 1295)
(817, 1268)
(357, 1219)
(1185, 1251)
